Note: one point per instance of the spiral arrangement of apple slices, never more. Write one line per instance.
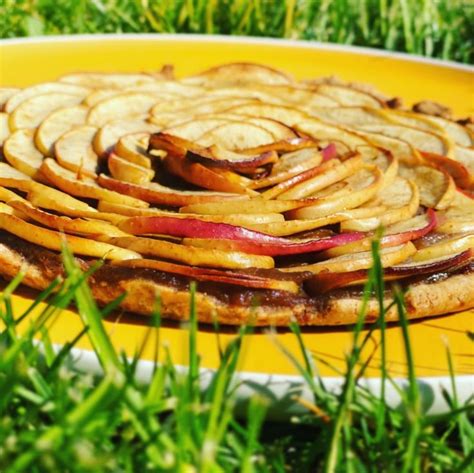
(239, 175)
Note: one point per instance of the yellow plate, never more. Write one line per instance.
(24, 62)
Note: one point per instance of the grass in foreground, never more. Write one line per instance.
(55, 418)
(435, 28)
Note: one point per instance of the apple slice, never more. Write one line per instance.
(45, 88)
(253, 206)
(20, 151)
(413, 120)
(348, 116)
(205, 177)
(127, 105)
(108, 135)
(420, 139)
(394, 235)
(7, 195)
(456, 169)
(97, 80)
(457, 218)
(330, 174)
(74, 150)
(155, 193)
(126, 171)
(214, 275)
(4, 128)
(348, 96)
(66, 224)
(54, 240)
(97, 95)
(294, 95)
(445, 247)
(191, 255)
(133, 148)
(458, 133)
(436, 186)
(324, 282)
(359, 188)
(288, 115)
(68, 182)
(5, 94)
(320, 130)
(31, 112)
(466, 157)
(244, 220)
(239, 73)
(56, 124)
(356, 261)
(233, 237)
(401, 199)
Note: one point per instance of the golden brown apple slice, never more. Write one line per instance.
(190, 255)
(4, 128)
(253, 206)
(97, 95)
(109, 135)
(461, 175)
(239, 278)
(68, 182)
(45, 88)
(157, 194)
(466, 157)
(127, 171)
(96, 80)
(5, 94)
(458, 217)
(401, 200)
(20, 151)
(330, 175)
(352, 117)
(437, 188)
(445, 247)
(54, 240)
(74, 150)
(361, 187)
(193, 129)
(294, 95)
(356, 261)
(65, 224)
(133, 148)
(56, 124)
(244, 220)
(324, 131)
(31, 112)
(239, 73)
(125, 106)
(383, 159)
(413, 120)
(458, 133)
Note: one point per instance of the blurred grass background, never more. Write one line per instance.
(433, 28)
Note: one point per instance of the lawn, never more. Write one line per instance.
(55, 418)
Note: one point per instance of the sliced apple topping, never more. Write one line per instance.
(104, 80)
(447, 246)
(133, 147)
(20, 151)
(4, 128)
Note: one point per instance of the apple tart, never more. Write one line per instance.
(265, 190)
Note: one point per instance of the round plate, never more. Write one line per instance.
(24, 62)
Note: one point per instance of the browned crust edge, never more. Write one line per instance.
(452, 294)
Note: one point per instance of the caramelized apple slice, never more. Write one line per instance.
(191, 255)
(74, 150)
(436, 186)
(56, 124)
(466, 157)
(96, 80)
(20, 151)
(68, 182)
(458, 217)
(356, 261)
(127, 105)
(4, 128)
(133, 148)
(31, 112)
(348, 96)
(155, 193)
(253, 206)
(324, 282)
(215, 275)
(454, 168)
(401, 200)
(286, 114)
(126, 171)
(445, 247)
(66, 224)
(458, 133)
(330, 174)
(40, 89)
(54, 240)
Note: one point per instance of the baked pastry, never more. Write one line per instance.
(266, 191)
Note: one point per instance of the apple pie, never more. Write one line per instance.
(266, 191)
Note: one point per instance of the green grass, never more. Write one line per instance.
(434, 28)
(55, 418)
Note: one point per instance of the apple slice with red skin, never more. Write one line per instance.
(417, 227)
(324, 282)
(157, 194)
(456, 169)
(214, 275)
(235, 238)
